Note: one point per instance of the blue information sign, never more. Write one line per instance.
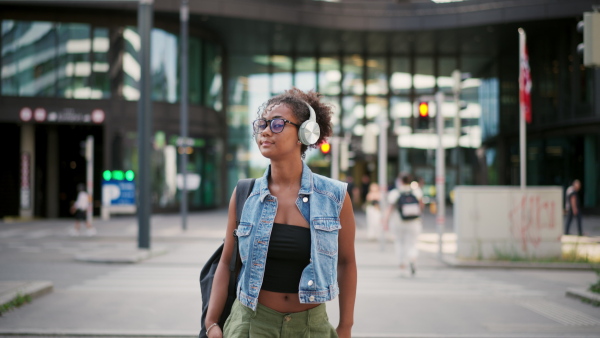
(118, 192)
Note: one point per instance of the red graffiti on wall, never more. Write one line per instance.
(529, 218)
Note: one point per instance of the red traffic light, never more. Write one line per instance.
(423, 109)
(325, 148)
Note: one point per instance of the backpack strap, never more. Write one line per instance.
(242, 191)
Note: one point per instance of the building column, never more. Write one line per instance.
(52, 173)
(590, 171)
(27, 166)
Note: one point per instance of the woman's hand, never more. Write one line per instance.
(215, 332)
(385, 222)
(344, 331)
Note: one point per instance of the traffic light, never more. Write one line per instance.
(423, 118)
(325, 148)
(590, 48)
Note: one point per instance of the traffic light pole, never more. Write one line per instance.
(440, 173)
(144, 124)
(457, 77)
(335, 157)
(382, 170)
(89, 158)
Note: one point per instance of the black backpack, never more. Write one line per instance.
(408, 206)
(244, 187)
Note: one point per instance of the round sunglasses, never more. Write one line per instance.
(276, 124)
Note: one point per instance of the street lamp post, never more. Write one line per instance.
(184, 109)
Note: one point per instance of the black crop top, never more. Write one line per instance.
(288, 255)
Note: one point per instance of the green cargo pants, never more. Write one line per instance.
(268, 323)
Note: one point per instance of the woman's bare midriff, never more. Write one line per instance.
(283, 302)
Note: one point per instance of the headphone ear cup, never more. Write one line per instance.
(309, 132)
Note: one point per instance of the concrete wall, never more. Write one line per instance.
(494, 222)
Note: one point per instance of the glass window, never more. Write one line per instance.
(330, 76)
(213, 85)
(445, 82)
(375, 107)
(354, 113)
(353, 75)
(401, 111)
(306, 78)
(376, 76)
(100, 81)
(163, 65)
(424, 79)
(490, 108)
(194, 70)
(401, 80)
(28, 58)
(74, 67)
(131, 66)
(282, 73)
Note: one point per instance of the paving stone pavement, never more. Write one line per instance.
(159, 297)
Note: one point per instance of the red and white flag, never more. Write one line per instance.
(524, 79)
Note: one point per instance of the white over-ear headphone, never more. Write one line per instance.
(309, 131)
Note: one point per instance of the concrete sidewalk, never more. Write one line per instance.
(159, 295)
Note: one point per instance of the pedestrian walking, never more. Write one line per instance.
(365, 187)
(404, 213)
(296, 234)
(79, 209)
(573, 205)
(373, 212)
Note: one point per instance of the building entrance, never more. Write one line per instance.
(61, 166)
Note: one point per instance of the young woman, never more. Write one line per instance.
(296, 235)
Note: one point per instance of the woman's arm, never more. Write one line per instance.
(218, 294)
(346, 269)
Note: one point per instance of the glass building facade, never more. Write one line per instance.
(67, 68)
(368, 75)
(365, 65)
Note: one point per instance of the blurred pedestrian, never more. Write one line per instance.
(373, 212)
(573, 205)
(365, 187)
(296, 235)
(79, 209)
(406, 223)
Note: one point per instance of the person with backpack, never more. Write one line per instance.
(296, 235)
(405, 208)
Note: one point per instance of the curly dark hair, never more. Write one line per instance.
(295, 100)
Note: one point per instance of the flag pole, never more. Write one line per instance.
(522, 125)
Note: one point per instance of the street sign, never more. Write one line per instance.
(118, 192)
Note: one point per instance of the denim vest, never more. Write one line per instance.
(320, 200)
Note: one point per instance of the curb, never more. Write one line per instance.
(485, 264)
(9, 290)
(120, 256)
(583, 294)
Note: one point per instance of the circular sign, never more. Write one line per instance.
(25, 114)
(98, 116)
(39, 114)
